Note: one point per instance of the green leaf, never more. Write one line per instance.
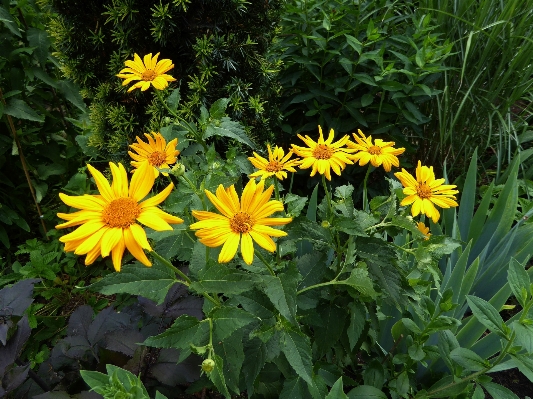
(184, 331)
(281, 290)
(94, 379)
(218, 109)
(174, 99)
(468, 198)
(217, 377)
(446, 387)
(446, 344)
(374, 374)
(360, 280)
(367, 99)
(524, 335)
(518, 281)
(221, 279)
(478, 393)
(8, 21)
(366, 392)
(21, 110)
(231, 129)
(296, 347)
(39, 38)
(72, 93)
(231, 350)
(524, 364)
(226, 320)
(357, 323)
(295, 204)
(136, 279)
(486, 314)
(254, 360)
(468, 359)
(337, 391)
(294, 388)
(42, 75)
(327, 334)
(356, 44)
(497, 391)
(159, 395)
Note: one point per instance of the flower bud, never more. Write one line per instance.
(325, 224)
(178, 170)
(208, 365)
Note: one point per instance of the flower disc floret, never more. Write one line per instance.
(240, 221)
(156, 152)
(278, 164)
(424, 192)
(378, 153)
(148, 72)
(107, 223)
(324, 155)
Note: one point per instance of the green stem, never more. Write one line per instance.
(365, 191)
(328, 196)
(262, 259)
(276, 188)
(312, 287)
(292, 180)
(172, 267)
(193, 188)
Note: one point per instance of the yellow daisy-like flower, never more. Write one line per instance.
(425, 190)
(423, 229)
(276, 165)
(377, 153)
(107, 222)
(148, 72)
(241, 221)
(324, 155)
(156, 152)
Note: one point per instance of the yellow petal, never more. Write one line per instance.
(134, 248)
(247, 248)
(157, 199)
(229, 249)
(117, 253)
(142, 182)
(110, 239)
(103, 185)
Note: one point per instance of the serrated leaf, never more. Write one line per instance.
(468, 359)
(297, 349)
(281, 290)
(217, 377)
(518, 281)
(295, 204)
(136, 279)
(357, 323)
(220, 279)
(72, 93)
(486, 314)
(8, 21)
(294, 388)
(16, 299)
(231, 129)
(184, 331)
(337, 391)
(39, 38)
(497, 391)
(524, 335)
(231, 350)
(218, 109)
(174, 99)
(366, 392)
(21, 110)
(254, 360)
(361, 282)
(226, 320)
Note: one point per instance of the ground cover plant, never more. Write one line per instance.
(200, 264)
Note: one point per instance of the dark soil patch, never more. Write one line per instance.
(515, 381)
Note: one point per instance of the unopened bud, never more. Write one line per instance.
(325, 224)
(208, 365)
(178, 170)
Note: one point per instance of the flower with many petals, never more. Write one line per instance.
(324, 155)
(424, 230)
(108, 222)
(377, 153)
(425, 191)
(276, 165)
(156, 152)
(148, 72)
(241, 221)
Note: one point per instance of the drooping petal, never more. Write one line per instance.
(229, 249)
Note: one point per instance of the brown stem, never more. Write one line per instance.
(24, 166)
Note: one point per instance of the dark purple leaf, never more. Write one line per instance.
(54, 395)
(174, 294)
(80, 321)
(87, 395)
(4, 327)
(16, 299)
(15, 377)
(75, 347)
(105, 322)
(124, 341)
(168, 372)
(10, 352)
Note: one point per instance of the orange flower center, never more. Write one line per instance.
(157, 158)
(423, 190)
(241, 222)
(322, 151)
(374, 150)
(148, 75)
(274, 166)
(121, 212)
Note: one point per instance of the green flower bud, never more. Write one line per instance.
(208, 365)
(178, 170)
(325, 224)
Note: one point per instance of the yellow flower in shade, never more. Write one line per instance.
(148, 72)
(276, 165)
(377, 153)
(424, 230)
(241, 221)
(323, 156)
(108, 222)
(425, 191)
(157, 152)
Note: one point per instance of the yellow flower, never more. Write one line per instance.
(378, 153)
(426, 191)
(149, 71)
(107, 222)
(323, 156)
(276, 165)
(158, 153)
(241, 221)
(424, 230)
